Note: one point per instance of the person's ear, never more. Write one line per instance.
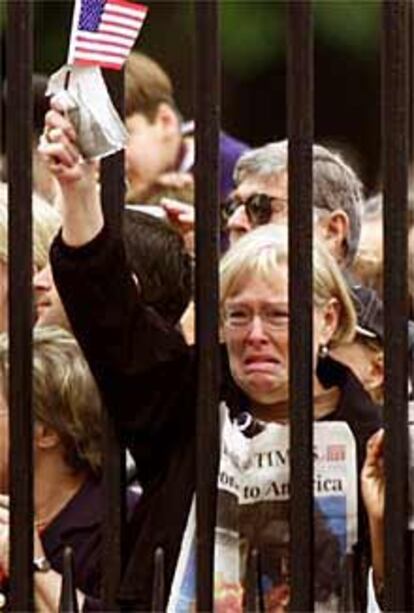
(167, 120)
(45, 437)
(329, 322)
(337, 231)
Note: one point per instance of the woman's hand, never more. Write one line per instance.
(58, 147)
(4, 537)
(81, 210)
(373, 493)
(181, 215)
(373, 478)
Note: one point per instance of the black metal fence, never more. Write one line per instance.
(397, 125)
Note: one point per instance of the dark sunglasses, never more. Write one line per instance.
(259, 208)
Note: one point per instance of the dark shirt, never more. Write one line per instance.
(79, 526)
(146, 374)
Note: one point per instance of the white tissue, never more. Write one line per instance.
(86, 99)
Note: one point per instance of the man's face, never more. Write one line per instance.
(267, 199)
(147, 154)
(275, 187)
(49, 307)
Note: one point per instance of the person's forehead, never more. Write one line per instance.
(262, 286)
(275, 185)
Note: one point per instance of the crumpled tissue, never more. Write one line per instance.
(86, 99)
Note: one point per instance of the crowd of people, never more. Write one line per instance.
(126, 296)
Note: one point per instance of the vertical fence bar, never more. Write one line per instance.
(113, 196)
(68, 598)
(300, 134)
(411, 81)
(19, 149)
(411, 263)
(254, 595)
(207, 127)
(158, 587)
(395, 168)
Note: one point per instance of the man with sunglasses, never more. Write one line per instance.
(255, 203)
(261, 197)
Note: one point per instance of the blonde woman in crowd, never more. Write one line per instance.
(46, 222)
(67, 444)
(67, 460)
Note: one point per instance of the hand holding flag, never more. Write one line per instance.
(103, 33)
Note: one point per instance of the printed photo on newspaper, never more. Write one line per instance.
(253, 514)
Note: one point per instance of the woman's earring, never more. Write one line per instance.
(323, 351)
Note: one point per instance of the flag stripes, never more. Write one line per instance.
(104, 32)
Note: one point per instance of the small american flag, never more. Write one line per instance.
(335, 453)
(104, 31)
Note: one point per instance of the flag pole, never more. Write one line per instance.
(75, 20)
(67, 78)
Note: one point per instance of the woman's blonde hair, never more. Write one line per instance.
(263, 250)
(46, 222)
(65, 397)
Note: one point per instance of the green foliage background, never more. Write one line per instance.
(253, 44)
(252, 32)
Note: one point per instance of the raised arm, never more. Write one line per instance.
(139, 361)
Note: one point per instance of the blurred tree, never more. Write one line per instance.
(348, 24)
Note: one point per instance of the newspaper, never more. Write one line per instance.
(253, 513)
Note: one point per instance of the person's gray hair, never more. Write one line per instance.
(335, 184)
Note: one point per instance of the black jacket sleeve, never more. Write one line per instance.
(142, 365)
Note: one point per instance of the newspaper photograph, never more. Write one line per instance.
(253, 514)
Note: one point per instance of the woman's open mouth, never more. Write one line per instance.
(261, 363)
